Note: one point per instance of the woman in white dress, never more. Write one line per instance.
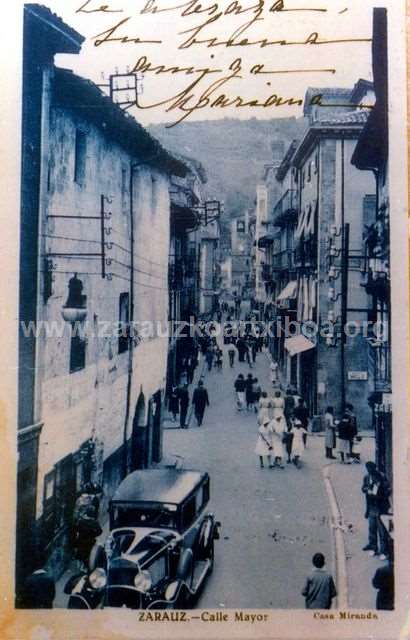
(278, 425)
(278, 405)
(264, 405)
(273, 372)
(298, 445)
(264, 443)
(330, 433)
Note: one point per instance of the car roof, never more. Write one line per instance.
(158, 485)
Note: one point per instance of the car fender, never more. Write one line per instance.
(185, 566)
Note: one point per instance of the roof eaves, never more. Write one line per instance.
(50, 19)
(83, 96)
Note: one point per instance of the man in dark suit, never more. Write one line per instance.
(183, 406)
(200, 401)
(377, 491)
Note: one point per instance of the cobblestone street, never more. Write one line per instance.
(272, 520)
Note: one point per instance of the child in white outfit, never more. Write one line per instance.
(298, 446)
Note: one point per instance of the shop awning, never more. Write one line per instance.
(288, 292)
(298, 344)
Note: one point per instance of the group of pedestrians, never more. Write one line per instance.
(343, 435)
(281, 431)
(248, 392)
(214, 356)
(39, 590)
(179, 402)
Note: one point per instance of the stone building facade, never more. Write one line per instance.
(313, 280)
(100, 305)
(372, 153)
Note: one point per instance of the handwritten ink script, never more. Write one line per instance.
(198, 54)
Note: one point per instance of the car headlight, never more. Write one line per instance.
(98, 579)
(143, 581)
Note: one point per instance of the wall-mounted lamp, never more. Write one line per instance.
(334, 232)
(331, 316)
(333, 273)
(332, 296)
(331, 341)
(333, 252)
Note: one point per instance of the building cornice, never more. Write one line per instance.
(319, 131)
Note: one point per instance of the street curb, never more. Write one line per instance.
(339, 544)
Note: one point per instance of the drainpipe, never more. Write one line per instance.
(319, 257)
(131, 320)
(344, 284)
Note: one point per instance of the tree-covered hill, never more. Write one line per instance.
(233, 153)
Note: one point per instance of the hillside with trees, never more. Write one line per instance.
(233, 153)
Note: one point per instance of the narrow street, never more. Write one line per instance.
(273, 521)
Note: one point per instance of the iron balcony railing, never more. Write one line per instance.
(380, 366)
(283, 260)
(181, 269)
(376, 258)
(286, 209)
(266, 272)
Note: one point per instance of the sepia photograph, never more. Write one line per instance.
(211, 390)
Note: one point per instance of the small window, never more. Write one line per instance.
(240, 226)
(124, 319)
(77, 348)
(80, 156)
(188, 512)
(49, 177)
(124, 187)
(154, 194)
(49, 505)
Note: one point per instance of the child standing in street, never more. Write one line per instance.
(319, 589)
(298, 445)
(356, 449)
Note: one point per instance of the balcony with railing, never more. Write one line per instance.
(380, 366)
(283, 261)
(376, 253)
(182, 270)
(266, 273)
(286, 209)
(305, 254)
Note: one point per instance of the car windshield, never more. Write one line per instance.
(143, 516)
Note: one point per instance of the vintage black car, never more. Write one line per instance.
(161, 543)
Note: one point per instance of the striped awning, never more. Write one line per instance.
(298, 344)
(288, 292)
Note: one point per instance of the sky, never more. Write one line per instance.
(235, 71)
